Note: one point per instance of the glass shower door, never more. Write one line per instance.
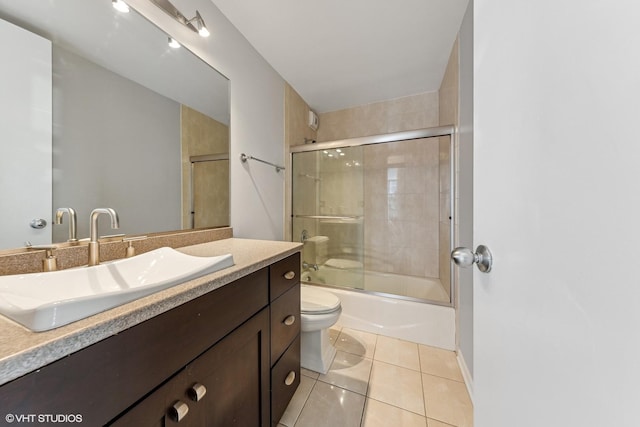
(328, 208)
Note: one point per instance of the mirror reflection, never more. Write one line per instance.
(136, 126)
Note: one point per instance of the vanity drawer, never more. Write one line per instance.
(285, 321)
(285, 378)
(283, 275)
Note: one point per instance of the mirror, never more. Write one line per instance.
(137, 126)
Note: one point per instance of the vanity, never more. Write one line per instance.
(220, 350)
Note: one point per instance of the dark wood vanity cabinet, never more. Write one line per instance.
(284, 296)
(228, 358)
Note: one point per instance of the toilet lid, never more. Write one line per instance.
(313, 300)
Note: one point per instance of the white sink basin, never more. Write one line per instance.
(43, 301)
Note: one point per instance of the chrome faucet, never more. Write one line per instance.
(94, 245)
(306, 266)
(73, 222)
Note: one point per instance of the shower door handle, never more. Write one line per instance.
(465, 257)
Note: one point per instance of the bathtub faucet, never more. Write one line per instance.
(306, 266)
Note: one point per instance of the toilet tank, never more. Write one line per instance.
(315, 250)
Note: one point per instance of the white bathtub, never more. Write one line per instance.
(419, 322)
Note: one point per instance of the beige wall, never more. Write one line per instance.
(296, 112)
(202, 135)
(395, 115)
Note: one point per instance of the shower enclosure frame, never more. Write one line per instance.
(432, 132)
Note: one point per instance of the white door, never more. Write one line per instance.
(25, 136)
(557, 200)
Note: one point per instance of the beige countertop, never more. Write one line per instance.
(23, 351)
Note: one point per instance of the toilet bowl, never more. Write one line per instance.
(320, 310)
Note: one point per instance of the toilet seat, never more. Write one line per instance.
(317, 301)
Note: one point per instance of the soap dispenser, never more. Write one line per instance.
(50, 262)
(131, 251)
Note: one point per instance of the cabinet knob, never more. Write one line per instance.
(290, 320)
(289, 275)
(178, 411)
(197, 392)
(290, 378)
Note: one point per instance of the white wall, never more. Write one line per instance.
(257, 115)
(465, 190)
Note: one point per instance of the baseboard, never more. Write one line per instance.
(466, 375)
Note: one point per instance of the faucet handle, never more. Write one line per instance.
(28, 245)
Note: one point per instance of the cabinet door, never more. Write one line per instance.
(161, 408)
(235, 375)
(228, 385)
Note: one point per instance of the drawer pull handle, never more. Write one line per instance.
(178, 411)
(289, 275)
(290, 320)
(290, 378)
(197, 392)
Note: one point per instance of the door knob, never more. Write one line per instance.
(465, 257)
(38, 223)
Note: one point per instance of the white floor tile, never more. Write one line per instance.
(331, 406)
(397, 352)
(297, 402)
(356, 342)
(349, 371)
(379, 414)
(403, 384)
(397, 386)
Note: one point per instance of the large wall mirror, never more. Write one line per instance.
(137, 126)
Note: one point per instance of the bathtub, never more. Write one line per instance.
(419, 322)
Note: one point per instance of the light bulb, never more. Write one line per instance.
(173, 43)
(203, 31)
(120, 6)
(200, 26)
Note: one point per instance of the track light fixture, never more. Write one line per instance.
(195, 24)
(199, 24)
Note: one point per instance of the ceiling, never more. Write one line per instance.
(338, 54)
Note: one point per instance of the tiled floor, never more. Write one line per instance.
(376, 381)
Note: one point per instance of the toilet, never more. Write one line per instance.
(320, 310)
(315, 250)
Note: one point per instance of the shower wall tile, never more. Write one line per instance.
(400, 114)
(402, 208)
(402, 196)
(448, 93)
(445, 207)
(296, 118)
(443, 256)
